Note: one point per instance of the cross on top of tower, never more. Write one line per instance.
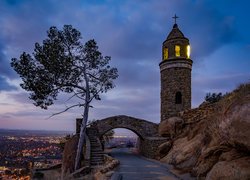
(175, 18)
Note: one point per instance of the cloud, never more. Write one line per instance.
(141, 102)
(5, 68)
(5, 86)
(216, 84)
(129, 31)
(20, 97)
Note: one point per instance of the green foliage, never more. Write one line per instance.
(63, 64)
(214, 97)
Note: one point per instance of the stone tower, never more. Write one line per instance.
(175, 69)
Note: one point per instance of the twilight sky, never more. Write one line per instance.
(131, 32)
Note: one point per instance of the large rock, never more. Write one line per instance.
(184, 153)
(235, 125)
(208, 158)
(231, 155)
(69, 154)
(170, 127)
(231, 170)
(164, 148)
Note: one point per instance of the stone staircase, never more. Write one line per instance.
(96, 154)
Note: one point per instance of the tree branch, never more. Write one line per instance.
(93, 76)
(77, 95)
(97, 92)
(68, 108)
(70, 85)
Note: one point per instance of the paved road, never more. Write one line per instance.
(134, 167)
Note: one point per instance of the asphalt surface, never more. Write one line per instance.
(136, 167)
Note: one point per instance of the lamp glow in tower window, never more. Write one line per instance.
(177, 50)
(188, 51)
(165, 53)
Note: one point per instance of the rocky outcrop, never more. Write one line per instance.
(69, 154)
(213, 141)
(164, 148)
(230, 170)
(170, 127)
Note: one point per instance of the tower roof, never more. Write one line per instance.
(175, 33)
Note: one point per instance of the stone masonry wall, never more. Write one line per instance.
(193, 116)
(141, 127)
(176, 79)
(149, 146)
(197, 114)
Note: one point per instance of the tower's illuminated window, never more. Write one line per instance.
(165, 53)
(188, 51)
(177, 50)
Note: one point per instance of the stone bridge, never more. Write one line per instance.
(147, 131)
(140, 127)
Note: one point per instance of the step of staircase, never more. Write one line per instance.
(96, 164)
(96, 154)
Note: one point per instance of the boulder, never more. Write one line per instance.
(184, 153)
(69, 154)
(208, 158)
(164, 148)
(170, 127)
(230, 155)
(234, 126)
(231, 170)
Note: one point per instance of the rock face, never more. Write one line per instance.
(164, 148)
(214, 139)
(235, 169)
(235, 125)
(69, 154)
(170, 127)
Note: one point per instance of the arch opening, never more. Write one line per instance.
(122, 127)
(120, 138)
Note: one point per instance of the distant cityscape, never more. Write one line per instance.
(22, 151)
(122, 142)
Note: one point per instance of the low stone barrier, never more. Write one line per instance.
(149, 146)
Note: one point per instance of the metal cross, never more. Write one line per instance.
(175, 17)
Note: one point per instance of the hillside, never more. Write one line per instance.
(213, 140)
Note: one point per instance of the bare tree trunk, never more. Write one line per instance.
(81, 138)
(83, 125)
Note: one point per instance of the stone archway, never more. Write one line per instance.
(140, 127)
(146, 130)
